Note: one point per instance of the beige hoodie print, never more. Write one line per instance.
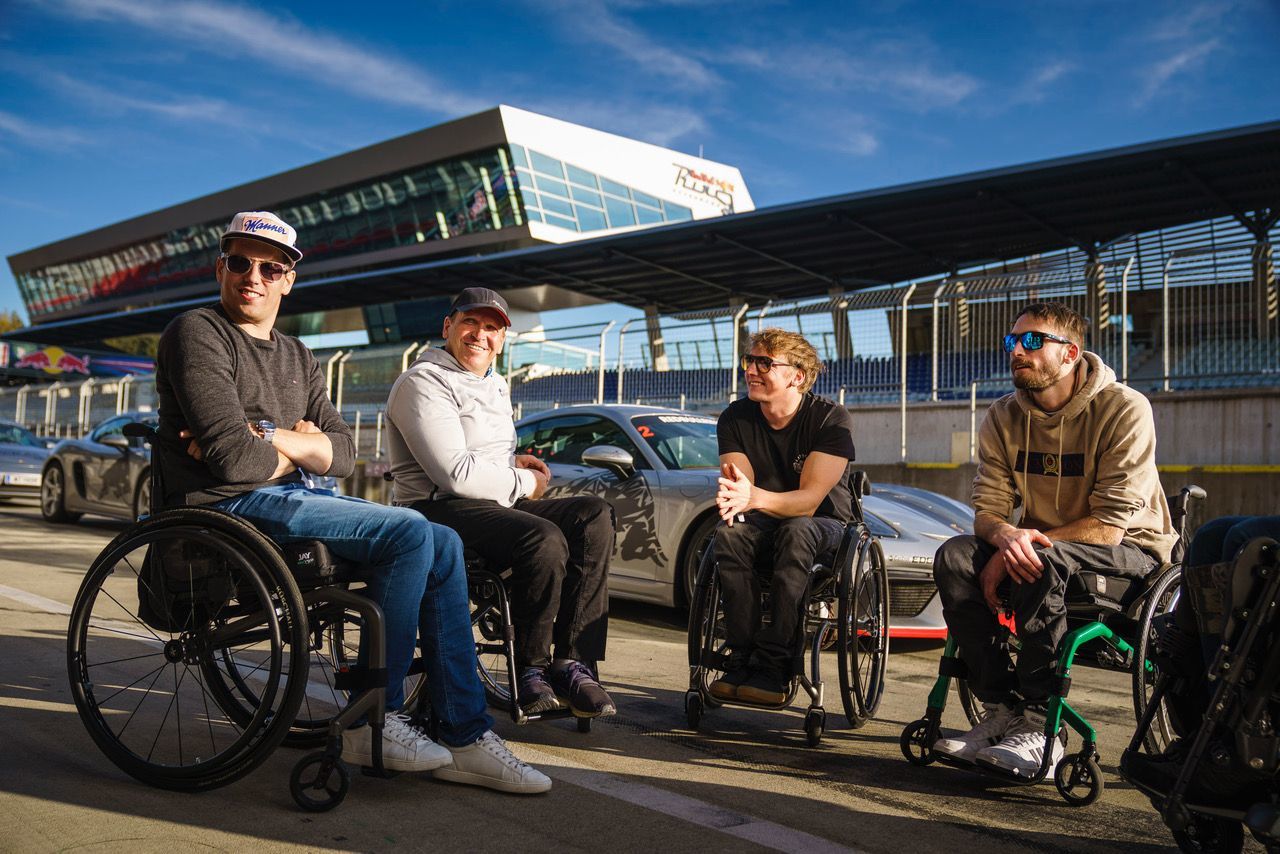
(1093, 457)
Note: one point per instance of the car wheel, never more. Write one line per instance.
(142, 495)
(53, 496)
(694, 548)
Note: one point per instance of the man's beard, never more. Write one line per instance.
(1035, 379)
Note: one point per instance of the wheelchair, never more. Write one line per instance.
(197, 645)
(846, 611)
(1228, 779)
(487, 591)
(1111, 624)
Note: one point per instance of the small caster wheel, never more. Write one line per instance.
(693, 709)
(320, 789)
(1210, 833)
(815, 723)
(917, 741)
(584, 724)
(1079, 779)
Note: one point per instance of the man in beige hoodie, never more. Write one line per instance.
(1072, 451)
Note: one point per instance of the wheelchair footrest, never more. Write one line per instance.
(714, 660)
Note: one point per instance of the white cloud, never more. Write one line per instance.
(593, 22)
(282, 44)
(1035, 88)
(32, 134)
(1157, 77)
(902, 72)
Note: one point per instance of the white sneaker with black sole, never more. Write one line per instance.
(404, 747)
(995, 722)
(1021, 751)
(488, 762)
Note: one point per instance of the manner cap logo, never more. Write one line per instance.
(266, 227)
(473, 298)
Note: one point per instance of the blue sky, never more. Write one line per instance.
(113, 108)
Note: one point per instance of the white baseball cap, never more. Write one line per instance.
(266, 227)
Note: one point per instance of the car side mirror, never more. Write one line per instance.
(610, 457)
(115, 440)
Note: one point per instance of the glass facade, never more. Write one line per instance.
(431, 202)
(562, 194)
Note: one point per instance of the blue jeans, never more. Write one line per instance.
(415, 573)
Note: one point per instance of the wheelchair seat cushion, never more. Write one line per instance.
(314, 565)
(1112, 592)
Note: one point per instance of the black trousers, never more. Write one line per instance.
(1039, 609)
(559, 551)
(786, 549)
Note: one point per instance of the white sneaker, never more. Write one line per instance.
(488, 761)
(1022, 749)
(988, 731)
(404, 747)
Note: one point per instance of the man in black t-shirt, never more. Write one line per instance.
(784, 493)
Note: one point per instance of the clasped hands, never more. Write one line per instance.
(734, 494)
(541, 472)
(1015, 558)
(197, 453)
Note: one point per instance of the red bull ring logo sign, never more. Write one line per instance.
(53, 360)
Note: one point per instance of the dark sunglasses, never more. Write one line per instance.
(1031, 340)
(763, 363)
(240, 265)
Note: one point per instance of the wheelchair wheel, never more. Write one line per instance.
(706, 637)
(488, 602)
(152, 612)
(968, 703)
(1210, 834)
(863, 629)
(1078, 779)
(1160, 600)
(321, 789)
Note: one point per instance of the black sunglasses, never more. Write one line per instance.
(1031, 340)
(240, 265)
(763, 363)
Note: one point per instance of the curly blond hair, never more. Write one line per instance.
(790, 347)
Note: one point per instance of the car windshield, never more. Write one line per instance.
(12, 434)
(680, 440)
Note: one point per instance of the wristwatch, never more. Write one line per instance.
(268, 431)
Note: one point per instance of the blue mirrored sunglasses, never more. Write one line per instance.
(1031, 340)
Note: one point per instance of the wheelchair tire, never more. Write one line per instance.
(916, 741)
(815, 724)
(693, 709)
(968, 703)
(1161, 599)
(153, 608)
(1078, 779)
(488, 602)
(862, 639)
(327, 787)
(1210, 835)
(706, 630)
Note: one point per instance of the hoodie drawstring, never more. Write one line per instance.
(1026, 463)
(1062, 428)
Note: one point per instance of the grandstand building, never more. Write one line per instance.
(500, 180)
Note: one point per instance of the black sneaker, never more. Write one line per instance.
(536, 694)
(764, 688)
(737, 672)
(577, 684)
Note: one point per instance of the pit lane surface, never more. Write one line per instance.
(639, 781)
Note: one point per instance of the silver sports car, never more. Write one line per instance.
(658, 468)
(106, 472)
(21, 455)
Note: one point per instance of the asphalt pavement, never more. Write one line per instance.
(641, 780)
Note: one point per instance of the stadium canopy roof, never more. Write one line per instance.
(845, 242)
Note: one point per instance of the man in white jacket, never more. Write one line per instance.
(452, 443)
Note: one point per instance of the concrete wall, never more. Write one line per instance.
(1202, 428)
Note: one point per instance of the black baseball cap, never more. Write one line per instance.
(473, 298)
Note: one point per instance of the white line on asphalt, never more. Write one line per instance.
(758, 831)
(748, 828)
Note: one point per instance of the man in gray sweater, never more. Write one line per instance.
(452, 444)
(226, 378)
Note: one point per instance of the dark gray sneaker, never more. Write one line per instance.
(736, 672)
(536, 694)
(764, 688)
(577, 684)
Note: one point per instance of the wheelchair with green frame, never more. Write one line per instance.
(197, 645)
(1110, 625)
(846, 612)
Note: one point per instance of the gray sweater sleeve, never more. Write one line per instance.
(199, 360)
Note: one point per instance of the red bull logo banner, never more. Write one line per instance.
(53, 360)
